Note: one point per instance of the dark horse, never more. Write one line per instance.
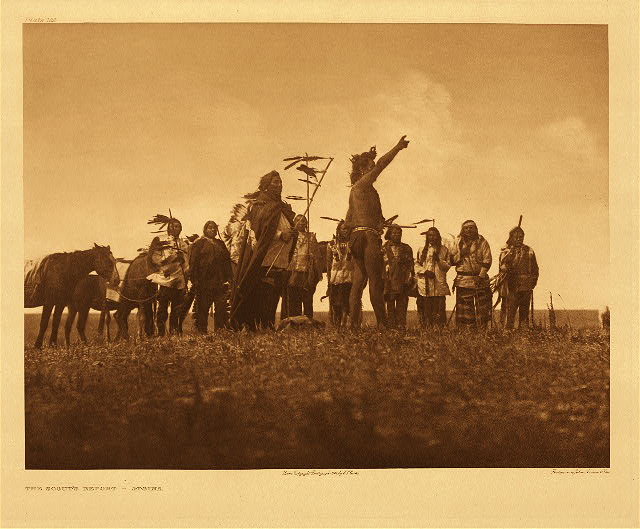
(90, 293)
(59, 273)
(138, 291)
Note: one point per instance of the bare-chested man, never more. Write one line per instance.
(365, 220)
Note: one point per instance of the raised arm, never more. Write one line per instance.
(383, 161)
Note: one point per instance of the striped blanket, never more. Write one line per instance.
(473, 306)
(34, 273)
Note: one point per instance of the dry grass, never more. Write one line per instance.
(315, 399)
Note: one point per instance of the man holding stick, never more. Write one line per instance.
(364, 219)
(518, 263)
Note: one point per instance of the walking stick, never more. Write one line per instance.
(276, 257)
(492, 322)
(475, 305)
(533, 321)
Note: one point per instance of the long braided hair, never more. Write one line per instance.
(436, 246)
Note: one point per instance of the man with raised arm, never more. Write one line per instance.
(366, 222)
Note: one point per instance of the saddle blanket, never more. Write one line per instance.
(34, 272)
(113, 294)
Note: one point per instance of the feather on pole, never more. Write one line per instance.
(307, 170)
(305, 158)
(324, 173)
(390, 220)
(291, 165)
(296, 159)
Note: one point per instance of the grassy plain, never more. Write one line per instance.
(321, 399)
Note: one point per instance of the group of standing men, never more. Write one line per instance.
(206, 263)
(268, 254)
(394, 276)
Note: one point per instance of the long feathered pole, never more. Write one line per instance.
(309, 202)
(324, 172)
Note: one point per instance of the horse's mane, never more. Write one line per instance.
(71, 252)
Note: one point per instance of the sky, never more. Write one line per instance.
(123, 121)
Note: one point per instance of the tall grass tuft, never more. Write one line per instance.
(552, 312)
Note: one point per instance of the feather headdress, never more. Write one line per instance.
(235, 230)
(162, 220)
(360, 162)
(371, 154)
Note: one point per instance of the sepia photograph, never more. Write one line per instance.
(309, 266)
(315, 245)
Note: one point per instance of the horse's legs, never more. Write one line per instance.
(101, 322)
(147, 311)
(57, 314)
(69, 324)
(82, 323)
(122, 317)
(125, 323)
(44, 323)
(141, 317)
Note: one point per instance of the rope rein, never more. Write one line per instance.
(139, 300)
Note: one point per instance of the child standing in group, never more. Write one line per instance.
(340, 271)
(398, 276)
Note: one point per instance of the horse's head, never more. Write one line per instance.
(105, 264)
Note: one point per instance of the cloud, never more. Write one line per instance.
(420, 108)
(569, 136)
(559, 162)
